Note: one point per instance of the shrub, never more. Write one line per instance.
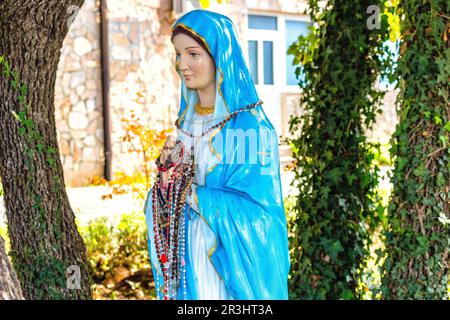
(118, 258)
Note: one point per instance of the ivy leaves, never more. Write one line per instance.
(417, 238)
(338, 205)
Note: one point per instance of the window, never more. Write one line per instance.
(261, 48)
(268, 37)
(293, 30)
(253, 59)
(262, 22)
(268, 62)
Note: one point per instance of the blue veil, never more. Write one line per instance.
(241, 200)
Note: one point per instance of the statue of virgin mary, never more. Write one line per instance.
(229, 240)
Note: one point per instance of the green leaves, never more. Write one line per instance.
(6, 67)
(40, 148)
(447, 126)
(419, 236)
(305, 48)
(336, 167)
(334, 175)
(335, 249)
(444, 140)
(420, 171)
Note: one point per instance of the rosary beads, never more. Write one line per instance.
(168, 222)
(168, 205)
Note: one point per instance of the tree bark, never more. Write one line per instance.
(417, 253)
(45, 242)
(9, 284)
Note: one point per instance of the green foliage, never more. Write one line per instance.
(46, 275)
(418, 237)
(338, 207)
(118, 257)
(119, 264)
(304, 50)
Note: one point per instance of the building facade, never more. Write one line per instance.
(143, 78)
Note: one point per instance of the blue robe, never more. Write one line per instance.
(241, 199)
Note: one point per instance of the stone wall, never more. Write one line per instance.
(141, 61)
(78, 99)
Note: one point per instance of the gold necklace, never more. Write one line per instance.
(204, 110)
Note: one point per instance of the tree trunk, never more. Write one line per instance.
(9, 285)
(417, 241)
(336, 203)
(45, 243)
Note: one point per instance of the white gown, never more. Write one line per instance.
(209, 284)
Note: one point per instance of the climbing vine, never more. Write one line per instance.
(337, 208)
(45, 268)
(418, 237)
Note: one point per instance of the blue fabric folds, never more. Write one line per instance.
(241, 200)
(243, 205)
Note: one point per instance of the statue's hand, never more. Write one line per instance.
(165, 152)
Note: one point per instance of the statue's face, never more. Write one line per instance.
(196, 65)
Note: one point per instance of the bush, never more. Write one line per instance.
(118, 258)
